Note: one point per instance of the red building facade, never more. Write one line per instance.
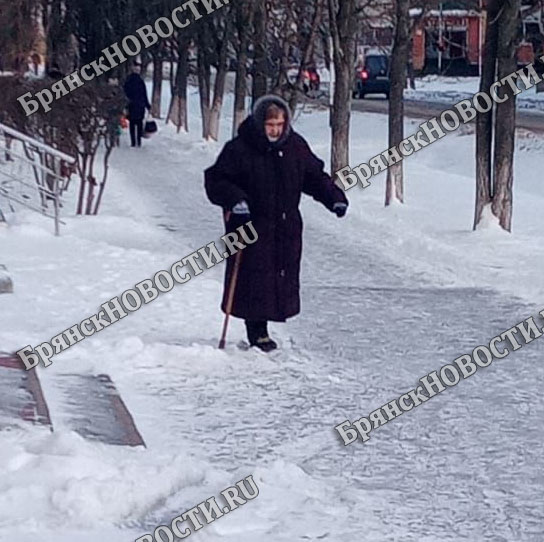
(451, 41)
(448, 41)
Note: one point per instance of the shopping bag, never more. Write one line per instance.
(150, 128)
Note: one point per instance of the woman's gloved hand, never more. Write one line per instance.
(340, 209)
(239, 215)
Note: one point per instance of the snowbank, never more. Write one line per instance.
(451, 90)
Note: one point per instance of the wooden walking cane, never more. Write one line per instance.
(230, 296)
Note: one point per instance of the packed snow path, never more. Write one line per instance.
(466, 465)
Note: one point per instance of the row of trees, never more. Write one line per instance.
(495, 130)
(261, 35)
(264, 39)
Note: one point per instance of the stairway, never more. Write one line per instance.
(93, 407)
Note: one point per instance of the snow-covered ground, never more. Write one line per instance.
(434, 88)
(388, 295)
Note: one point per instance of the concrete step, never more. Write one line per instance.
(90, 405)
(21, 396)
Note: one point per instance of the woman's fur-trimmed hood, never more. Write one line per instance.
(252, 129)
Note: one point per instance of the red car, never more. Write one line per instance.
(311, 79)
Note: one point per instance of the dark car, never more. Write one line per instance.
(373, 77)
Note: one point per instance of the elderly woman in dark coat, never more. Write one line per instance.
(260, 175)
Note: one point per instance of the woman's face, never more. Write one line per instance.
(274, 127)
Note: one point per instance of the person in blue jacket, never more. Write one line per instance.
(138, 102)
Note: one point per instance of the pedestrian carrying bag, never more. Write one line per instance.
(150, 128)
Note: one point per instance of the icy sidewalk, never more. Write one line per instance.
(464, 466)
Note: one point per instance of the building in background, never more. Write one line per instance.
(449, 40)
(377, 29)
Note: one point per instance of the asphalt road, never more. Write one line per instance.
(527, 120)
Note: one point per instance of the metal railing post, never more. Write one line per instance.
(57, 206)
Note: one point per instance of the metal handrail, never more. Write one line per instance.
(38, 144)
(48, 183)
(42, 189)
(31, 162)
(11, 197)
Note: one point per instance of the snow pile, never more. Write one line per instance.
(431, 234)
(57, 483)
(451, 90)
(65, 481)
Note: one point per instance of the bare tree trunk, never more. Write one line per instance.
(171, 77)
(244, 21)
(343, 21)
(105, 164)
(325, 44)
(57, 39)
(240, 90)
(505, 119)
(220, 79)
(284, 25)
(282, 81)
(91, 181)
(496, 136)
(90, 195)
(81, 195)
(217, 103)
(82, 171)
(203, 69)
(394, 188)
(484, 121)
(177, 113)
(307, 52)
(260, 62)
(340, 118)
(157, 85)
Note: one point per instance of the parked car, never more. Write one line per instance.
(373, 77)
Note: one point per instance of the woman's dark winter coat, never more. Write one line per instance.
(271, 177)
(137, 97)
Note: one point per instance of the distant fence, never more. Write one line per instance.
(32, 174)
